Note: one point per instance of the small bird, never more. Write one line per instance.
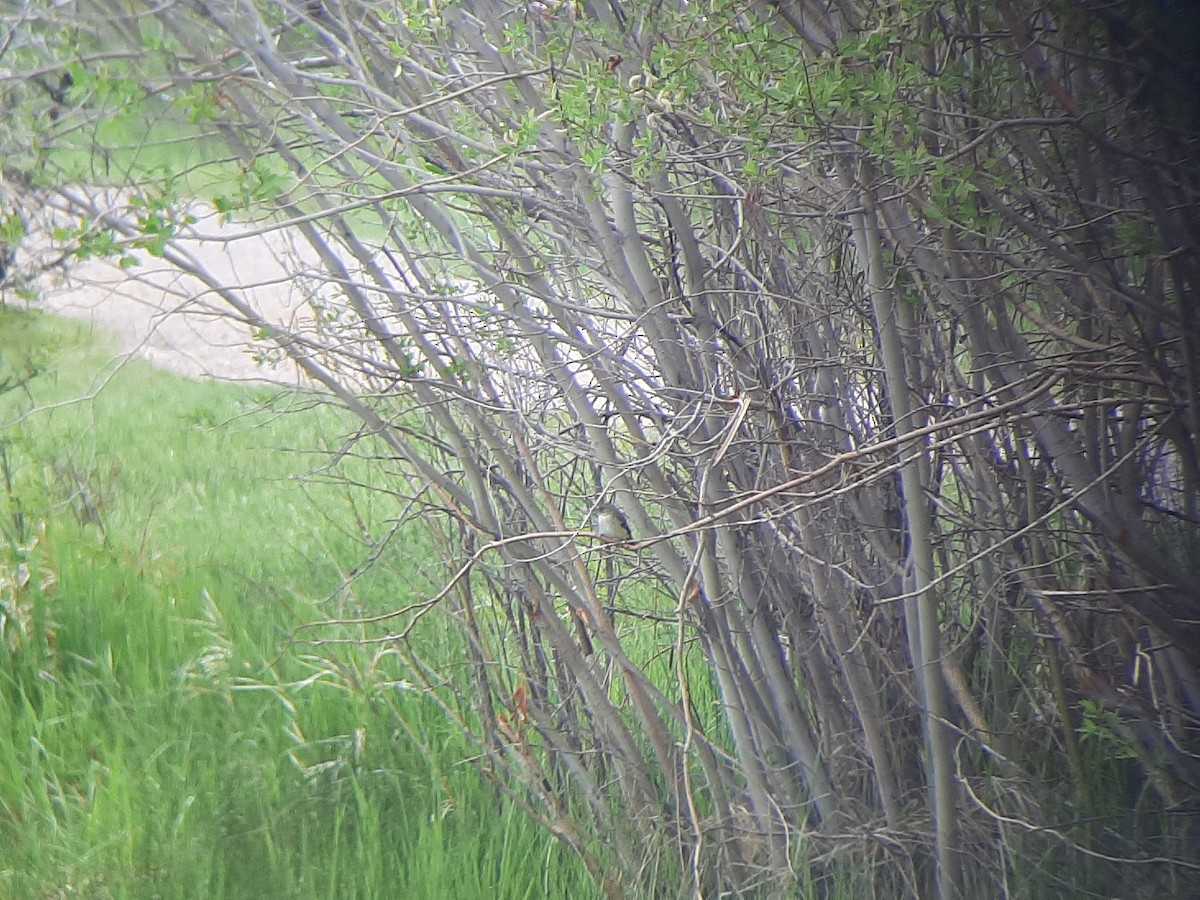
(611, 523)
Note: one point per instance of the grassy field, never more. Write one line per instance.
(163, 538)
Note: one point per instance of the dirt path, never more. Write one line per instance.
(175, 322)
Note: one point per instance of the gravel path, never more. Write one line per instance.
(174, 322)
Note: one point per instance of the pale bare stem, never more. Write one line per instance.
(921, 610)
(874, 320)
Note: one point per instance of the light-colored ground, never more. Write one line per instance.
(176, 322)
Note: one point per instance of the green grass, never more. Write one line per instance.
(158, 741)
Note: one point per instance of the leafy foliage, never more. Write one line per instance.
(874, 319)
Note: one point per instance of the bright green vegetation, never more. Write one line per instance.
(161, 738)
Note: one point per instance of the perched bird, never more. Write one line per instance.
(611, 523)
